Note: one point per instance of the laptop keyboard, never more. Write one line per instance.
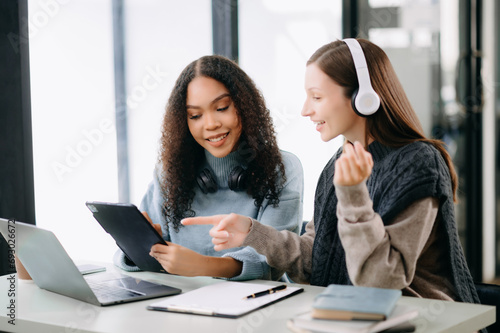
(112, 289)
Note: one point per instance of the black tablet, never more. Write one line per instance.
(131, 231)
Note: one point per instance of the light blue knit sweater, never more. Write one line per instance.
(288, 215)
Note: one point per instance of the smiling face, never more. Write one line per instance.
(328, 107)
(212, 118)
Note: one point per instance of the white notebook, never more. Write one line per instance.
(224, 299)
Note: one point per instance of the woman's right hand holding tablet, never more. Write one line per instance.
(228, 230)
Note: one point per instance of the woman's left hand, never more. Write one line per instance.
(354, 165)
(179, 260)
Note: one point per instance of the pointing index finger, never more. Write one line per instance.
(203, 220)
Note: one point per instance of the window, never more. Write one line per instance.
(276, 39)
(73, 111)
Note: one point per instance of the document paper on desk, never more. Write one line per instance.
(225, 299)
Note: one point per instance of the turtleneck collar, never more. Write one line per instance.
(222, 166)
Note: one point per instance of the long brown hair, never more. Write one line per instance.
(181, 156)
(395, 124)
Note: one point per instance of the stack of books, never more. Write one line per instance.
(350, 309)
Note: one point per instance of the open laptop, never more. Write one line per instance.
(52, 269)
(133, 234)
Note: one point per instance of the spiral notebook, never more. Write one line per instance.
(224, 299)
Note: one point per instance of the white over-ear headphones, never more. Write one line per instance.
(365, 101)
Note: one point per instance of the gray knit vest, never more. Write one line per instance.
(400, 176)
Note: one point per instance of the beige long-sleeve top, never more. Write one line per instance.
(405, 254)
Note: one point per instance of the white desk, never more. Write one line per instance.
(42, 311)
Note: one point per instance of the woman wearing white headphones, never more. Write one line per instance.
(384, 204)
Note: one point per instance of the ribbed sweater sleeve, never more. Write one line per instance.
(285, 251)
(378, 255)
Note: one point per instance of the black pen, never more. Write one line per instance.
(267, 292)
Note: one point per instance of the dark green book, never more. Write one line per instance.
(341, 302)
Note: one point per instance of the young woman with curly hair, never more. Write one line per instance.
(384, 205)
(218, 154)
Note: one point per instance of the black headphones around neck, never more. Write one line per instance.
(237, 180)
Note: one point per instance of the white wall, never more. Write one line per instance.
(490, 90)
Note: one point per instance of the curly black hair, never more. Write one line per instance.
(181, 156)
